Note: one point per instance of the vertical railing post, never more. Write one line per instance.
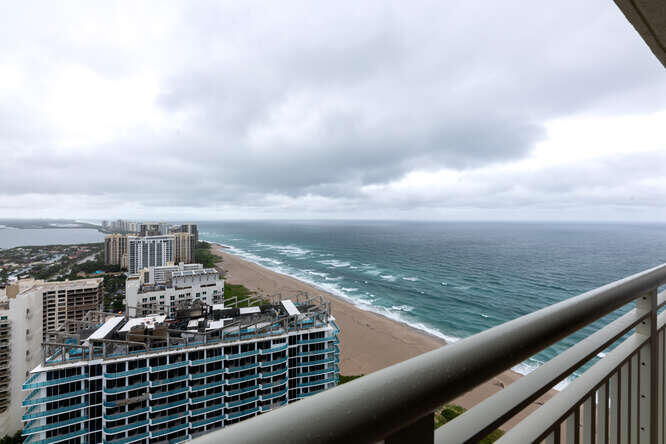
(649, 366)
(421, 431)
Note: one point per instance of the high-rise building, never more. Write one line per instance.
(153, 229)
(164, 289)
(183, 247)
(150, 379)
(192, 229)
(20, 348)
(115, 250)
(132, 227)
(68, 300)
(149, 251)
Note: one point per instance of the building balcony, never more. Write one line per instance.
(243, 354)
(168, 381)
(196, 388)
(160, 368)
(273, 384)
(30, 400)
(242, 379)
(208, 360)
(33, 412)
(270, 374)
(161, 407)
(206, 410)
(129, 439)
(166, 394)
(268, 351)
(31, 384)
(274, 405)
(205, 422)
(206, 397)
(317, 362)
(241, 413)
(241, 368)
(233, 404)
(55, 439)
(194, 376)
(274, 362)
(169, 430)
(126, 388)
(617, 396)
(128, 414)
(240, 391)
(122, 428)
(318, 382)
(29, 429)
(333, 349)
(124, 374)
(316, 341)
(273, 395)
(163, 419)
(318, 372)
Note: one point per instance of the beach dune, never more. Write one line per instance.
(368, 341)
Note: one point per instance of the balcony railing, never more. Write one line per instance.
(619, 397)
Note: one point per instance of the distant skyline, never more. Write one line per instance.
(343, 110)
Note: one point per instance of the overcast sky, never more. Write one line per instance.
(410, 110)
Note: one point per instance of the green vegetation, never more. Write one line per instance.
(348, 378)
(114, 294)
(450, 411)
(203, 255)
(8, 439)
(238, 291)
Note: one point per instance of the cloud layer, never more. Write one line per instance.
(295, 109)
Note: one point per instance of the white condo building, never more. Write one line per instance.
(20, 347)
(152, 380)
(149, 251)
(164, 289)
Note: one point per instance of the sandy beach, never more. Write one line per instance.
(368, 341)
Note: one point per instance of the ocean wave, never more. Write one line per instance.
(335, 263)
(387, 277)
(527, 367)
(406, 308)
(411, 279)
(349, 289)
(286, 250)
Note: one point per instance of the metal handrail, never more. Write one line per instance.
(400, 397)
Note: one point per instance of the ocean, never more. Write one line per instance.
(449, 279)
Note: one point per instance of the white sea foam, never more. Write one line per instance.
(601, 355)
(335, 263)
(532, 364)
(483, 315)
(388, 277)
(445, 284)
(285, 250)
(349, 289)
(412, 279)
(406, 308)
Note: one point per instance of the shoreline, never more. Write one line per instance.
(369, 341)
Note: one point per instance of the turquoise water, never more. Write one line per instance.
(450, 279)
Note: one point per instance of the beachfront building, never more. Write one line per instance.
(115, 250)
(149, 251)
(20, 348)
(165, 289)
(150, 379)
(153, 229)
(193, 229)
(183, 247)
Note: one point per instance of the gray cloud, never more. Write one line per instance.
(270, 106)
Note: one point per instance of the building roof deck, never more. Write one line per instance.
(197, 326)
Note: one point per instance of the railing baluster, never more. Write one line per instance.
(550, 439)
(660, 388)
(635, 395)
(602, 414)
(588, 420)
(625, 403)
(614, 409)
(644, 390)
(649, 369)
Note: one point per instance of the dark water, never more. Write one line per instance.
(15, 237)
(450, 279)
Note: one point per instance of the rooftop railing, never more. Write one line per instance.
(620, 398)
